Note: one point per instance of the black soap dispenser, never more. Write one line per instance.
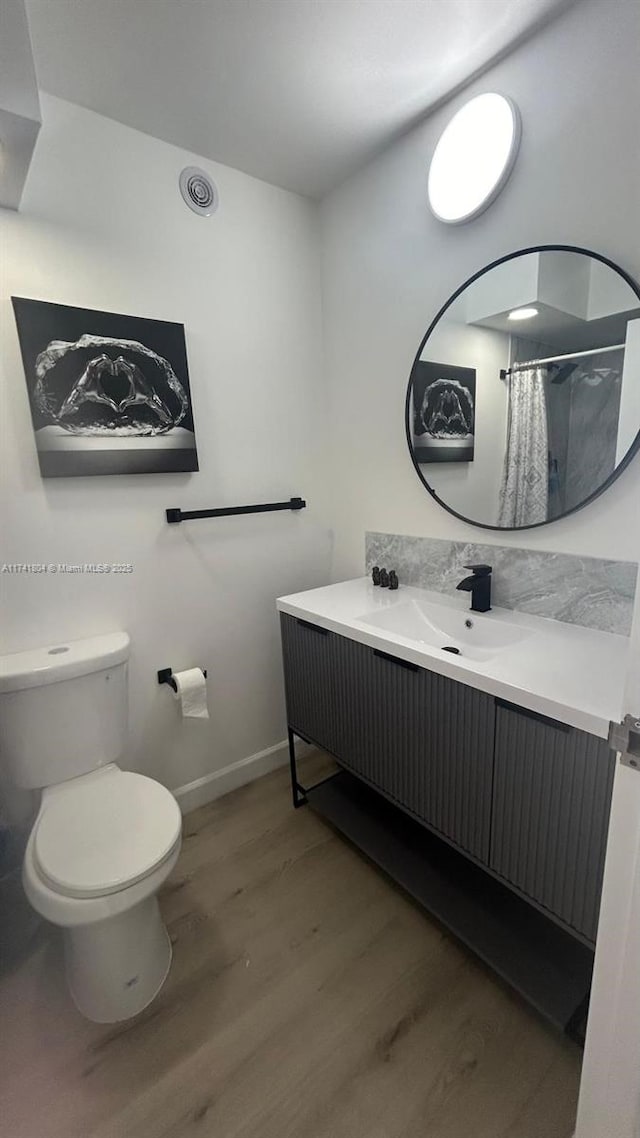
(384, 579)
(375, 575)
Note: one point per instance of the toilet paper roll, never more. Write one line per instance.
(192, 693)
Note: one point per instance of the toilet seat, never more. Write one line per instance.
(101, 833)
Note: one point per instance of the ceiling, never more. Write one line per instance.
(297, 92)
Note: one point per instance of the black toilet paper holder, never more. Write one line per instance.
(166, 676)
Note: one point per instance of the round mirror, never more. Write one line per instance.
(524, 398)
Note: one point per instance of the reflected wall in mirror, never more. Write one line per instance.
(534, 408)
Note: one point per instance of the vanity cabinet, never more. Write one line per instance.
(551, 797)
(424, 740)
(526, 797)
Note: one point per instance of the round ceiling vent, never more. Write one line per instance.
(199, 192)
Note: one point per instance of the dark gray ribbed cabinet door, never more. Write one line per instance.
(423, 739)
(552, 795)
(455, 770)
(377, 705)
(308, 654)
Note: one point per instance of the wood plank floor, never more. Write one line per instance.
(308, 998)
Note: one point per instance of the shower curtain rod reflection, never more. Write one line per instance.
(504, 372)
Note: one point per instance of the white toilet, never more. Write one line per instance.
(104, 839)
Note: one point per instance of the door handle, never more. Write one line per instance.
(536, 715)
(313, 627)
(406, 664)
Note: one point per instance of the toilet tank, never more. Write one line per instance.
(63, 709)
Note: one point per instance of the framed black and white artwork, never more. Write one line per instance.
(109, 394)
(443, 412)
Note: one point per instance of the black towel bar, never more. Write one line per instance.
(178, 515)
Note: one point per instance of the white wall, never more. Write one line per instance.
(19, 102)
(608, 293)
(389, 266)
(102, 225)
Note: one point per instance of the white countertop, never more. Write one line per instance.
(570, 673)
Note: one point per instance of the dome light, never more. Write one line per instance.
(473, 158)
(522, 314)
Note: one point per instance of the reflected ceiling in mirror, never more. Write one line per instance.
(523, 402)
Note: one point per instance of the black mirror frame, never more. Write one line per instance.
(633, 449)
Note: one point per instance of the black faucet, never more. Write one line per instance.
(479, 585)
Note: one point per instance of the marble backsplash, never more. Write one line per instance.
(589, 591)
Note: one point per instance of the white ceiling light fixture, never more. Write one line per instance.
(474, 157)
(523, 314)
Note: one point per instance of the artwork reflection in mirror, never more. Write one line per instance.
(547, 345)
(444, 412)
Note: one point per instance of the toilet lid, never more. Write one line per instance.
(99, 834)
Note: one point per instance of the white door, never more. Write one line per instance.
(609, 1105)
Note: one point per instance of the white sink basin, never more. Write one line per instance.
(473, 635)
(572, 674)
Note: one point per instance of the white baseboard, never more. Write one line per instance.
(214, 785)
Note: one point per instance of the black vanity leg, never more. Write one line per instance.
(297, 791)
